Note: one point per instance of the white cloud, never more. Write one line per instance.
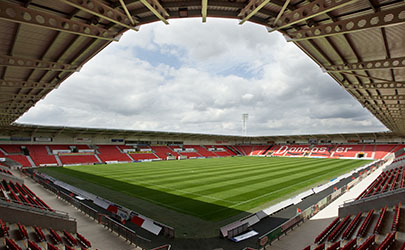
(193, 77)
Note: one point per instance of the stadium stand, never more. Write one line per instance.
(320, 247)
(40, 155)
(367, 243)
(11, 149)
(367, 224)
(204, 152)
(382, 150)
(334, 246)
(194, 154)
(164, 151)
(258, 150)
(351, 151)
(73, 154)
(78, 159)
(22, 159)
(325, 233)
(222, 151)
(20, 236)
(350, 229)
(5, 171)
(387, 242)
(333, 231)
(377, 227)
(350, 245)
(21, 194)
(322, 151)
(397, 214)
(245, 150)
(17, 235)
(368, 150)
(111, 153)
(141, 156)
(387, 181)
(290, 150)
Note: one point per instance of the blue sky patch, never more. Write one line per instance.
(156, 57)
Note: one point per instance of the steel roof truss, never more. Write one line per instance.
(390, 63)
(281, 12)
(204, 7)
(104, 11)
(251, 9)
(308, 11)
(18, 14)
(369, 77)
(383, 85)
(361, 23)
(383, 97)
(10, 114)
(124, 7)
(157, 9)
(12, 61)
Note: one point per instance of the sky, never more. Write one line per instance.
(199, 77)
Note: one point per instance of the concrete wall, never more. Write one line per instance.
(358, 206)
(30, 218)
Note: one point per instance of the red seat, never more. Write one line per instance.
(111, 153)
(33, 245)
(55, 236)
(397, 214)
(83, 240)
(39, 233)
(327, 231)
(366, 222)
(334, 246)
(10, 243)
(378, 226)
(367, 243)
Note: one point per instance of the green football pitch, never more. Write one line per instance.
(210, 189)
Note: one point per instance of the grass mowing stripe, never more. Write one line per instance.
(269, 193)
(143, 172)
(288, 183)
(236, 183)
(177, 191)
(217, 169)
(183, 180)
(186, 179)
(257, 177)
(211, 191)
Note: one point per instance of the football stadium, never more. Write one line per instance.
(74, 187)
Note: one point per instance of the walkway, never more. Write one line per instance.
(101, 238)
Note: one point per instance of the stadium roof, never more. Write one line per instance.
(359, 43)
(18, 130)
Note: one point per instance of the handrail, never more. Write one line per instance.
(164, 247)
(351, 202)
(33, 208)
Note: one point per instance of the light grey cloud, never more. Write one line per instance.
(222, 70)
